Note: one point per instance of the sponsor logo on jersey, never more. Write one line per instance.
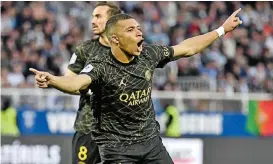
(137, 97)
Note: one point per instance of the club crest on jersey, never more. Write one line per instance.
(148, 75)
(166, 51)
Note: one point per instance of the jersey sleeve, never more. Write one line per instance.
(77, 61)
(95, 70)
(161, 55)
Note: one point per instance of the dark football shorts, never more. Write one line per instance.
(150, 152)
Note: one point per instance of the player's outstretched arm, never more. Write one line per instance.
(194, 45)
(71, 73)
(67, 84)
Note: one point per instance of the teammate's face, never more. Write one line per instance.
(129, 36)
(100, 17)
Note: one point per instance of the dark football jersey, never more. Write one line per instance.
(124, 112)
(89, 49)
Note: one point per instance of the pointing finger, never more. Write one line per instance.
(236, 12)
(34, 71)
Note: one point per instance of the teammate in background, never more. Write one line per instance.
(121, 83)
(85, 150)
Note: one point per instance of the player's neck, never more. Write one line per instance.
(104, 41)
(121, 56)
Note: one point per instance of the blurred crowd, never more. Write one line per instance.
(43, 35)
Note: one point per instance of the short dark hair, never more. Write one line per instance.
(113, 21)
(113, 7)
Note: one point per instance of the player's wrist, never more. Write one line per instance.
(220, 31)
(52, 80)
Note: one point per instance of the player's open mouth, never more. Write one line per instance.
(140, 43)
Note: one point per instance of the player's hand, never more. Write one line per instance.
(41, 78)
(232, 22)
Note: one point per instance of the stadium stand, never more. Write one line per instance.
(43, 35)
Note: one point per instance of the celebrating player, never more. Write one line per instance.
(121, 81)
(85, 150)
